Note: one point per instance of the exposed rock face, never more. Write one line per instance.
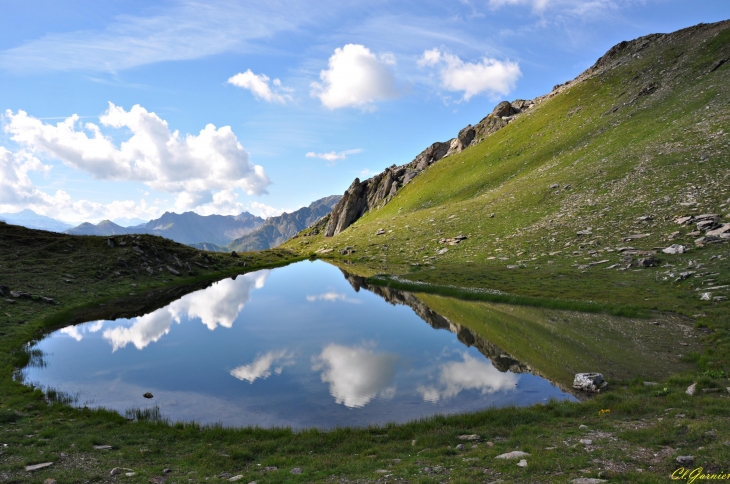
(371, 194)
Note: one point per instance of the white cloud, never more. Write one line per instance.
(491, 76)
(216, 305)
(356, 375)
(197, 166)
(356, 78)
(261, 366)
(18, 192)
(259, 86)
(265, 211)
(332, 297)
(469, 374)
(188, 29)
(333, 156)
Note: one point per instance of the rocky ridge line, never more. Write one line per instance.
(375, 192)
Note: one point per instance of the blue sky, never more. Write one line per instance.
(128, 109)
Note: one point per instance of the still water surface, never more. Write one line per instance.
(295, 346)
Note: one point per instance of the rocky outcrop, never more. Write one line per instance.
(373, 193)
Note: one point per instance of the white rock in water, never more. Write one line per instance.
(675, 249)
(589, 382)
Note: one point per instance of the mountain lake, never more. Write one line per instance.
(302, 346)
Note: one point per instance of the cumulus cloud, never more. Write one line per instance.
(261, 366)
(490, 76)
(333, 156)
(17, 191)
(356, 375)
(216, 305)
(356, 77)
(332, 297)
(165, 160)
(469, 374)
(260, 87)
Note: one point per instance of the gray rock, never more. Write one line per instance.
(102, 447)
(706, 296)
(49, 481)
(648, 262)
(587, 231)
(460, 447)
(110, 243)
(173, 271)
(685, 459)
(586, 441)
(235, 478)
(503, 109)
(675, 249)
(36, 467)
(515, 454)
(118, 470)
(234, 254)
(522, 463)
(468, 437)
(554, 186)
(691, 389)
(296, 470)
(587, 480)
(589, 382)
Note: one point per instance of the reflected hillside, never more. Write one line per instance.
(551, 343)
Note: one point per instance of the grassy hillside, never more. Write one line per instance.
(617, 155)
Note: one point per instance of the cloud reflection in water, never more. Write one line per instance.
(356, 375)
(216, 305)
(470, 374)
(261, 366)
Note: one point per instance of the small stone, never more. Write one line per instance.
(489, 444)
(554, 186)
(491, 215)
(675, 249)
(234, 254)
(582, 426)
(148, 395)
(515, 454)
(650, 383)
(685, 459)
(271, 468)
(460, 447)
(110, 242)
(468, 437)
(156, 480)
(166, 471)
(224, 475)
(587, 480)
(130, 474)
(522, 463)
(706, 296)
(36, 467)
(586, 441)
(691, 389)
(49, 481)
(296, 470)
(235, 478)
(173, 271)
(102, 447)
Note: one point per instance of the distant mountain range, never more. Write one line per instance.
(217, 233)
(277, 230)
(30, 219)
(186, 228)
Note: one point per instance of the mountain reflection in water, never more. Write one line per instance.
(302, 350)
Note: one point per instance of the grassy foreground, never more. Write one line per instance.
(637, 440)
